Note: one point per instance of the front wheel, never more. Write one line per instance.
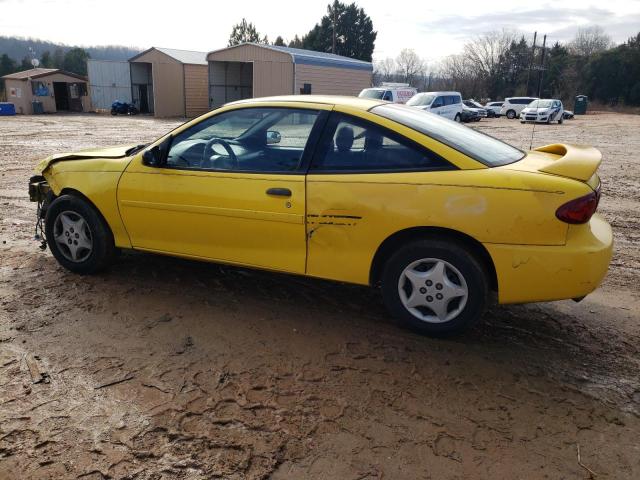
(457, 118)
(435, 287)
(78, 237)
(560, 121)
(511, 114)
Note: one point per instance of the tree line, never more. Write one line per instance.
(345, 30)
(73, 60)
(500, 64)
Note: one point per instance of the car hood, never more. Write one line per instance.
(536, 110)
(110, 156)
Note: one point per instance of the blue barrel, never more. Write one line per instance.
(7, 109)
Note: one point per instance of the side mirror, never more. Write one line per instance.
(157, 156)
(151, 158)
(273, 137)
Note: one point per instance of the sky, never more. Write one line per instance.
(433, 29)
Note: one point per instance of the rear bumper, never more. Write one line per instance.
(543, 273)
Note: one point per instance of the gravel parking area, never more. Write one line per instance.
(169, 369)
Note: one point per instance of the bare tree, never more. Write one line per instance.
(589, 41)
(385, 68)
(485, 51)
(409, 65)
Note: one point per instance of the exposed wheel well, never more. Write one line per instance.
(76, 193)
(395, 241)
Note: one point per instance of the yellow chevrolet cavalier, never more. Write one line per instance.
(438, 215)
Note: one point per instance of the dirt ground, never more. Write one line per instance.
(165, 368)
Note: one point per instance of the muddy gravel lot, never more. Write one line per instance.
(165, 368)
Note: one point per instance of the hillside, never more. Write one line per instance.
(17, 48)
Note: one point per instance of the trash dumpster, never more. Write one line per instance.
(580, 105)
(37, 107)
(7, 109)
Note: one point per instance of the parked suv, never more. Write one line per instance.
(445, 104)
(513, 106)
(391, 92)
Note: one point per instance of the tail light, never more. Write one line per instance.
(579, 210)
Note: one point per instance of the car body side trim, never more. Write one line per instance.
(222, 212)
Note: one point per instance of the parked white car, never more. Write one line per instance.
(445, 104)
(494, 107)
(512, 106)
(391, 92)
(543, 111)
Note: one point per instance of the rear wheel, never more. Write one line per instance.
(511, 114)
(458, 118)
(78, 237)
(435, 287)
(560, 120)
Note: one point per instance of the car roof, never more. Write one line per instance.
(353, 102)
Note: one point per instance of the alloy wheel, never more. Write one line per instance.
(433, 290)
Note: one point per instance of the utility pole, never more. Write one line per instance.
(531, 59)
(541, 75)
(333, 39)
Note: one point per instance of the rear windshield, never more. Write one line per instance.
(477, 145)
(372, 93)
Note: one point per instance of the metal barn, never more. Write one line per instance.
(169, 82)
(253, 70)
(108, 81)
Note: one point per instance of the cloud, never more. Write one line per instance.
(462, 26)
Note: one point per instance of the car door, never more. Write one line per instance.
(438, 105)
(231, 189)
(362, 180)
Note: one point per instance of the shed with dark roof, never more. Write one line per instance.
(47, 90)
(253, 70)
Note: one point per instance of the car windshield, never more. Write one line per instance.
(372, 93)
(540, 104)
(421, 100)
(479, 146)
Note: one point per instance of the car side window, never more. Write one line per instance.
(388, 96)
(248, 140)
(438, 102)
(353, 145)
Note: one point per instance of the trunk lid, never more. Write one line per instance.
(570, 161)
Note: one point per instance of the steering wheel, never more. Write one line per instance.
(209, 147)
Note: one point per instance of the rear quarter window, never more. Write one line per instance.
(477, 145)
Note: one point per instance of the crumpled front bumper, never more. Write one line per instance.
(39, 189)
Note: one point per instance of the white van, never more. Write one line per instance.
(446, 104)
(512, 106)
(391, 92)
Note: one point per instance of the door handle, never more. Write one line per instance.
(280, 192)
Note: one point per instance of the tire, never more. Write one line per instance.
(458, 118)
(511, 114)
(92, 249)
(560, 121)
(114, 111)
(466, 284)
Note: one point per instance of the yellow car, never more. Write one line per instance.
(438, 215)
